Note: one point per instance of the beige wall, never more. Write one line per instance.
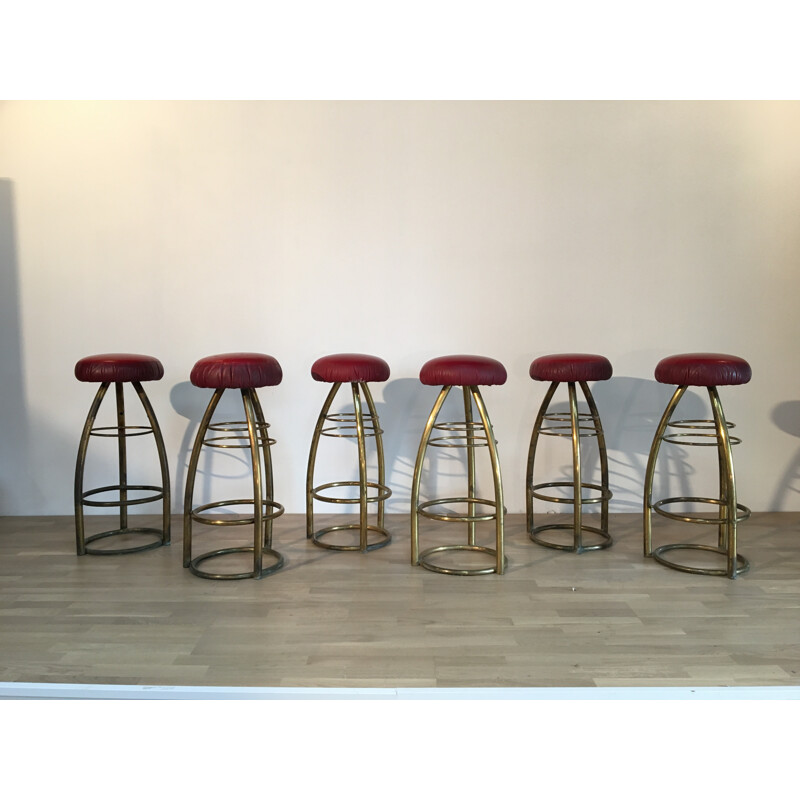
(408, 230)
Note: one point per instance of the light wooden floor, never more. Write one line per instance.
(328, 619)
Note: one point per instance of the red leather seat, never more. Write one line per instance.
(703, 369)
(463, 370)
(571, 368)
(350, 368)
(236, 371)
(118, 368)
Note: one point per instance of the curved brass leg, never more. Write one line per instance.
(537, 427)
(80, 535)
(601, 445)
(651, 467)
(415, 482)
(379, 447)
(312, 459)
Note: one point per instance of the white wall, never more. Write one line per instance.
(408, 230)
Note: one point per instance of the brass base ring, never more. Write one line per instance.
(239, 521)
(604, 494)
(234, 576)
(422, 509)
(316, 537)
(722, 573)
(744, 511)
(534, 536)
(118, 488)
(122, 550)
(423, 559)
(384, 492)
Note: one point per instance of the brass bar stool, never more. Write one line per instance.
(246, 372)
(357, 370)
(709, 370)
(572, 369)
(468, 372)
(119, 369)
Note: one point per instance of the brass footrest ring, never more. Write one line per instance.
(424, 562)
(605, 494)
(744, 511)
(722, 573)
(384, 492)
(129, 502)
(234, 576)
(568, 526)
(422, 509)
(123, 550)
(243, 521)
(316, 537)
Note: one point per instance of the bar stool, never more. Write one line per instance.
(468, 372)
(356, 369)
(709, 370)
(246, 372)
(570, 368)
(119, 369)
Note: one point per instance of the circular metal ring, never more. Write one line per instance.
(424, 562)
(141, 430)
(535, 537)
(605, 494)
(234, 576)
(123, 550)
(212, 442)
(464, 441)
(369, 431)
(236, 425)
(422, 509)
(118, 503)
(677, 438)
(195, 513)
(699, 424)
(723, 573)
(658, 508)
(458, 426)
(384, 492)
(316, 537)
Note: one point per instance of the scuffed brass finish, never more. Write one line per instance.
(474, 434)
(250, 434)
(359, 426)
(563, 424)
(121, 432)
(730, 512)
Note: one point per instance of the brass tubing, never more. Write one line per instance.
(470, 465)
(269, 486)
(162, 460)
(80, 536)
(537, 426)
(727, 529)
(500, 561)
(122, 457)
(601, 444)
(577, 510)
(192, 473)
(379, 447)
(258, 487)
(651, 467)
(415, 483)
(362, 470)
(312, 459)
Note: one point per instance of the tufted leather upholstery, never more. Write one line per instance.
(236, 371)
(571, 368)
(350, 368)
(703, 369)
(118, 368)
(463, 370)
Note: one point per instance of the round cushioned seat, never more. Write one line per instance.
(118, 368)
(463, 370)
(571, 368)
(236, 371)
(703, 369)
(350, 368)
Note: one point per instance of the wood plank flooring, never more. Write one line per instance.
(328, 619)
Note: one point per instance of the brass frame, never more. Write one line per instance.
(575, 431)
(365, 425)
(471, 393)
(258, 441)
(730, 514)
(121, 431)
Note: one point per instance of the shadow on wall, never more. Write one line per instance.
(231, 465)
(14, 455)
(786, 417)
(630, 410)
